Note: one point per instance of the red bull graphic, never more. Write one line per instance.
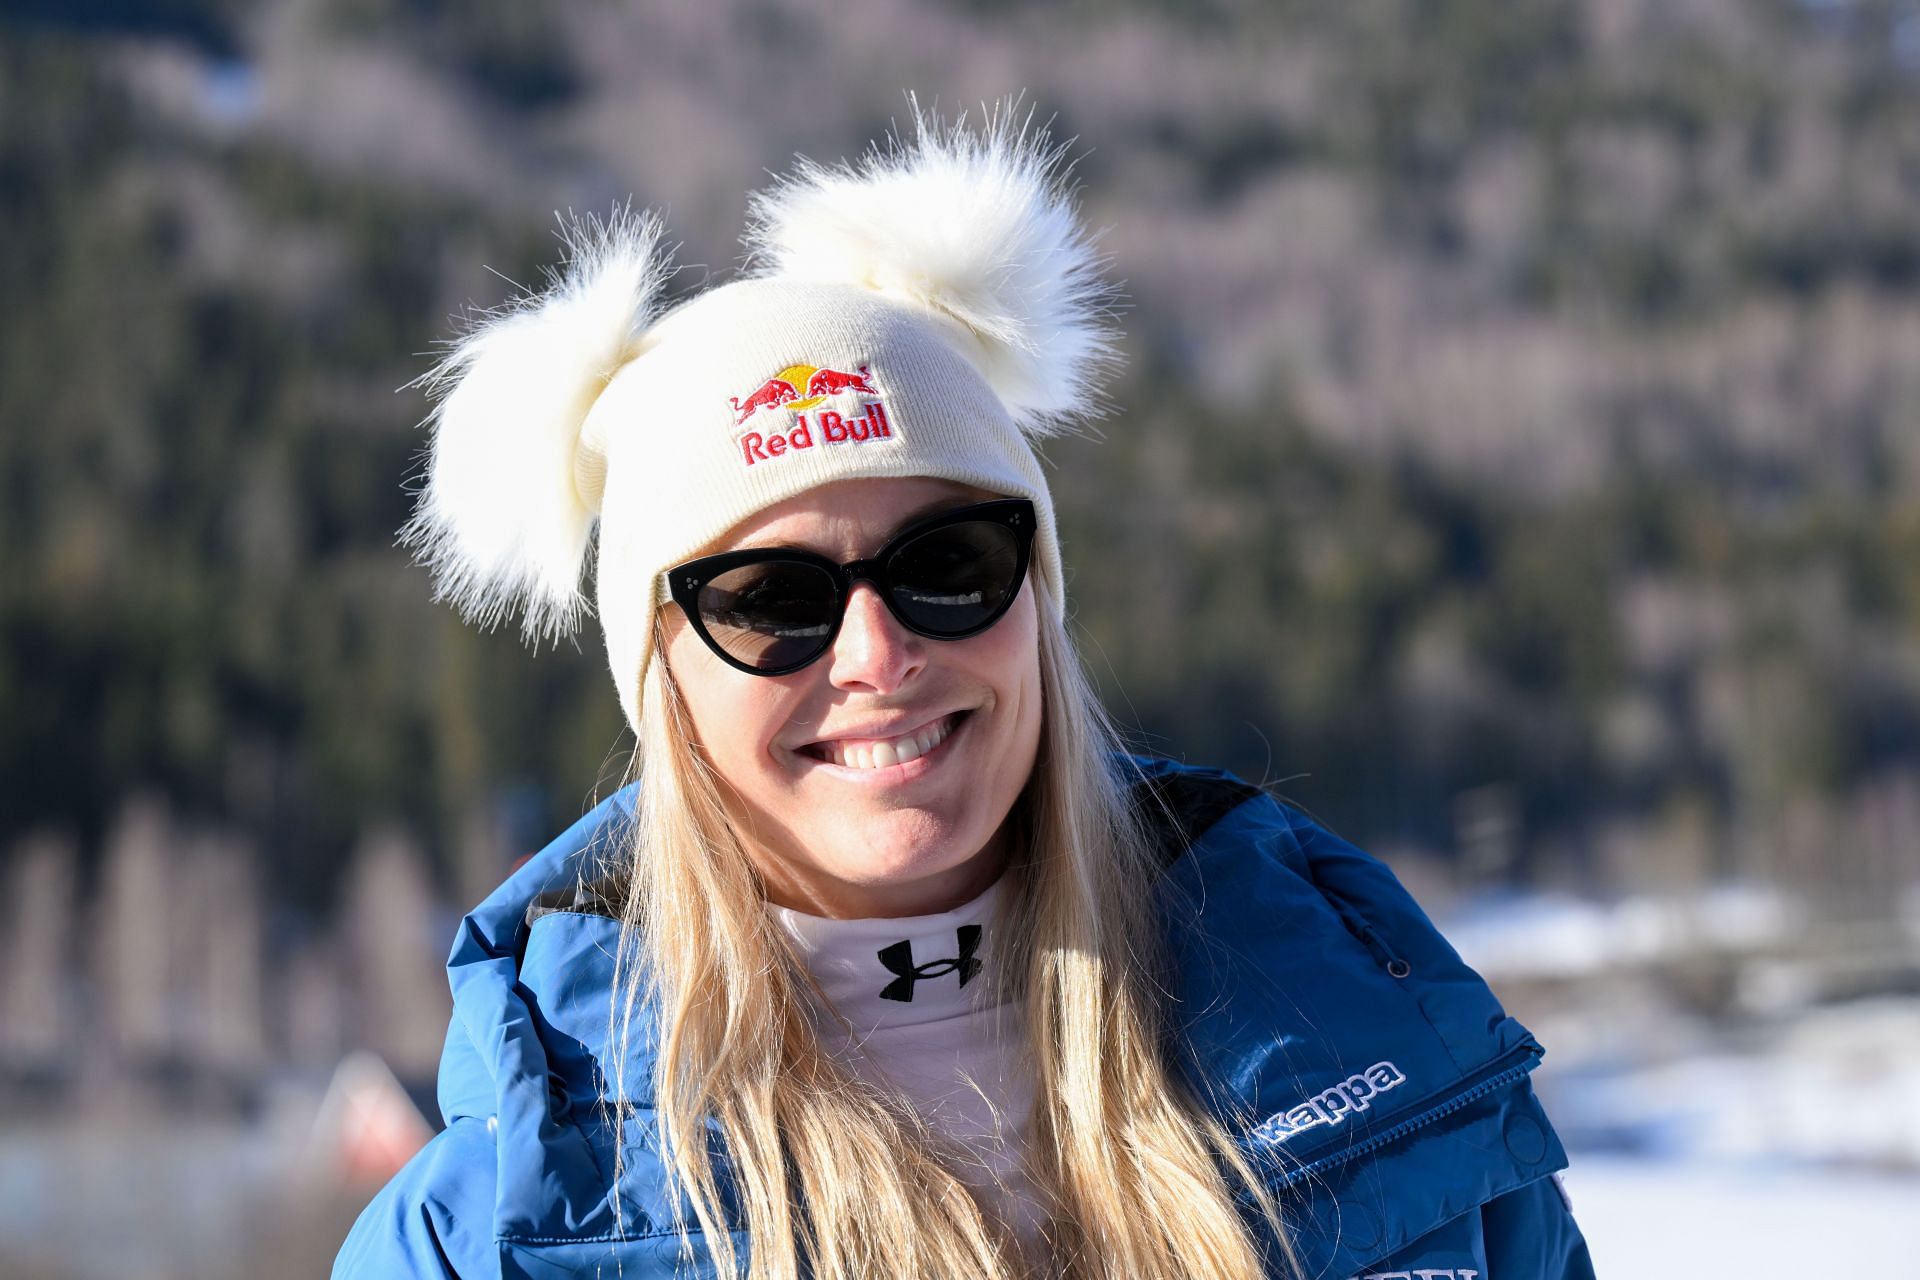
(772, 392)
(799, 389)
(831, 382)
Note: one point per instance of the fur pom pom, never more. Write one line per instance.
(502, 521)
(979, 226)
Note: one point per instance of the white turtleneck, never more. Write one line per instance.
(921, 1017)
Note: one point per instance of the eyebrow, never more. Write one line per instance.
(932, 508)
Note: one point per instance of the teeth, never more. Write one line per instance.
(880, 753)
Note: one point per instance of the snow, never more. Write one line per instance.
(1647, 1220)
(1836, 1086)
(1765, 1122)
(1509, 935)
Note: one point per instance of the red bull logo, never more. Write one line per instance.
(800, 389)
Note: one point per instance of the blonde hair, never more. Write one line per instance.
(1137, 1178)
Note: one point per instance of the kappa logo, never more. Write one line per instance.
(799, 389)
(1333, 1106)
(1423, 1273)
(899, 961)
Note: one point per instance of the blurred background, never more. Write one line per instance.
(1518, 466)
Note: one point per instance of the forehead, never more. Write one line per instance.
(847, 517)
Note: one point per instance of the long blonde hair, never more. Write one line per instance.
(1137, 1179)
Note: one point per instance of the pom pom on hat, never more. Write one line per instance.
(942, 289)
(511, 495)
(977, 226)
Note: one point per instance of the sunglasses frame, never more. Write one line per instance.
(684, 582)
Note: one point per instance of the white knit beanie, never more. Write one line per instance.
(927, 312)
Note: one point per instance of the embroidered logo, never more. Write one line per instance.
(1423, 1273)
(799, 389)
(899, 960)
(1332, 1106)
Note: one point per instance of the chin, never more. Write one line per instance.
(898, 864)
(899, 848)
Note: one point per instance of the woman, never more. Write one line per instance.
(887, 963)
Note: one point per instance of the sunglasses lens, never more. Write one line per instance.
(769, 615)
(956, 579)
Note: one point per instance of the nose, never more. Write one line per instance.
(873, 652)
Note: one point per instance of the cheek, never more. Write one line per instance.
(734, 715)
(1014, 664)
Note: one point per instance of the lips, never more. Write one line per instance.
(881, 753)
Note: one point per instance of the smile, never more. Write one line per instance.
(882, 753)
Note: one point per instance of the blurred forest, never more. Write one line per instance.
(1517, 461)
(1518, 445)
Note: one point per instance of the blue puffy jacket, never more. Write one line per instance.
(1390, 1088)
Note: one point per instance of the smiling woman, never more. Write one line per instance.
(879, 779)
(887, 962)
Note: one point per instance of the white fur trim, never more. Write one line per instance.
(979, 227)
(509, 504)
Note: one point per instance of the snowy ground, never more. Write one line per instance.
(1762, 1123)
(1647, 1221)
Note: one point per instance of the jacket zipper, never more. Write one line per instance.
(1496, 1076)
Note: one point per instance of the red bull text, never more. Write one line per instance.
(826, 427)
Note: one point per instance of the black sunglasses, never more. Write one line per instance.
(772, 610)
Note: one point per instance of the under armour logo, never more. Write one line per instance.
(899, 960)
